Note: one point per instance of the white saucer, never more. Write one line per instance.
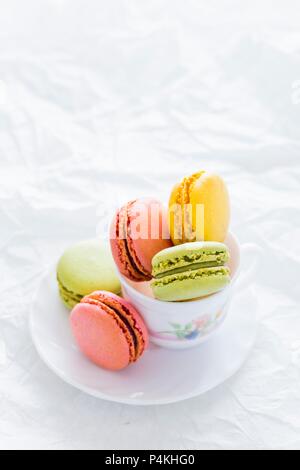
(162, 376)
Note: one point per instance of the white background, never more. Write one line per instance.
(107, 100)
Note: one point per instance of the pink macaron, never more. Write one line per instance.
(108, 330)
(138, 232)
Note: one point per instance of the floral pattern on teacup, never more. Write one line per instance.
(193, 329)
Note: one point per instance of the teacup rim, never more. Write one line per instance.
(157, 302)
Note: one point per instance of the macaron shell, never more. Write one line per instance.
(175, 217)
(100, 337)
(189, 253)
(119, 248)
(185, 286)
(144, 249)
(201, 189)
(84, 268)
(180, 216)
(125, 310)
(68, 298)
(133, 242)
(211, 191)
(138, 320)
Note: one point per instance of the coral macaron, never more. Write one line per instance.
(138, 232)
(108, 330)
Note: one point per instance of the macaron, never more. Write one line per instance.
(199, 209)
(84, 268)
(139, 231)
(190, 271)
(108, 330)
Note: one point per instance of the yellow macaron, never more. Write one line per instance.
(199, 209)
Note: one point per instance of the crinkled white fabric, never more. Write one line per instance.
(104, 101)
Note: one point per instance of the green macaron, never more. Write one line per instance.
(190, 271)
(85, 268)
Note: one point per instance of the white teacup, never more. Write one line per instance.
(180, 325)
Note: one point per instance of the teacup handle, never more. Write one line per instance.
(253, 254)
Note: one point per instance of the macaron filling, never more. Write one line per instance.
(186, 186)
(221, 272)
(67, 294)
(191, 261)
(183, 199)
(126, 250)
(130, 248)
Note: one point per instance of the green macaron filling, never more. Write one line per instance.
(180, 259)
(190, 267)
(222, 271)
(69, 297)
